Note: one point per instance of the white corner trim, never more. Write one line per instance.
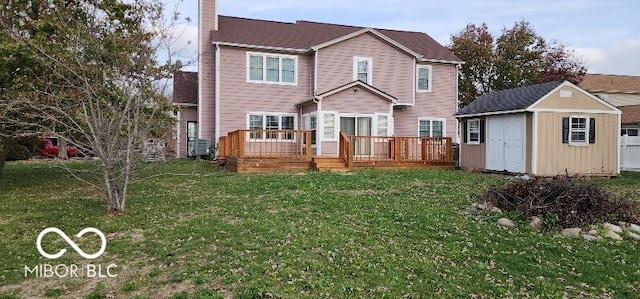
(217, 95)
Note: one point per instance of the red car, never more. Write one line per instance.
(46, 148)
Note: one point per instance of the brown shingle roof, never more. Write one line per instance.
(611, 83)
(303, 35)
(630, 114)
(185, 87)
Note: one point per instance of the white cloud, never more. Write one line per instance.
(619, 58)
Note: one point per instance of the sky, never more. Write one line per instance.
(605, 35)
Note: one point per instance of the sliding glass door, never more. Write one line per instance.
(358, 126)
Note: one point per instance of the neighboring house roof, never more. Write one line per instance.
(630, 114)
(611, 83)
(304, 35)
(509, 100)
(185, 88)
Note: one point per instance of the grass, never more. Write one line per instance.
(206, 233)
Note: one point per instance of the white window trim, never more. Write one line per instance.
(369, 68)
(418, 78)
(431, 119)
(375, 124)
(629, 128)
(264, 68)
(264, 125)
(336, 126)
(306, 125)
(586, 130)
(468, 132)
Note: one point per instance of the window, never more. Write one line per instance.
(578, 130)
(423, 78)
(279, 69)
(311, 123)
(329, 126)
(431, 127)
(271, 123)
(362, 69)
(629, 131)
(383, 125)
(473, 131)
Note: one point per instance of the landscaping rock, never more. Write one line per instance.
(634, 235)
(571, 232)
(593, 232)
(505, 222)
(589, 237)
(612, 227)
(481, 206)
(635, 228)
(496, 210)
(536, 223)
(613, 235)
(472, 210)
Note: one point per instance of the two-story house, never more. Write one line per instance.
(326, 78)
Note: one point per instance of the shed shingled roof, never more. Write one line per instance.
(303, 35)
(508, 100)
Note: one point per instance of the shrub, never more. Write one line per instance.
(567, 203)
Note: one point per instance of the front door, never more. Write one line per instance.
(358, 126)
(192, 136)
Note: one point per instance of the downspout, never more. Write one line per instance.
(178, 135)
(217, 95)
(319, 116)
(457, 108)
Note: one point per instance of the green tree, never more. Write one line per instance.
(518, 57)
(94, 80)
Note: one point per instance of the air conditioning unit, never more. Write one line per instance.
(202, 147)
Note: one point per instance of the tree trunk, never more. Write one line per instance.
(4, 151)
(62, 149)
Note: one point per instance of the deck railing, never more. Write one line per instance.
(345, 150)
(399, 149)
(266, 144)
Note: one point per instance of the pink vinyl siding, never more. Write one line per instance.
(207, 72)
(361, 102)
(439, 103)
(239, 97)
(392, 68)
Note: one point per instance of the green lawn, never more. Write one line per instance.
(205, 233)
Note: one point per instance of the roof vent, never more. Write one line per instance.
(565, 93)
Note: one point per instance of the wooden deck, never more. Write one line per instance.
(248, 151)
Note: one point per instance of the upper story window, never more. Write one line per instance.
(271, 68)
(363, 69)
(423, 78)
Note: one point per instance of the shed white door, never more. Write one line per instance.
(505, 143)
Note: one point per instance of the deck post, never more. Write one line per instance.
(449, 149)
(424, 148)
(241, 143)
(307, 137)
(398, 146)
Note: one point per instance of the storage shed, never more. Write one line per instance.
(547, 129)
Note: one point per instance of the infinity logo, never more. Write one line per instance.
(70, 242)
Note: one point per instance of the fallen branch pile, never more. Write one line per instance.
(571, 204)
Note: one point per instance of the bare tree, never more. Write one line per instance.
(95, 80)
